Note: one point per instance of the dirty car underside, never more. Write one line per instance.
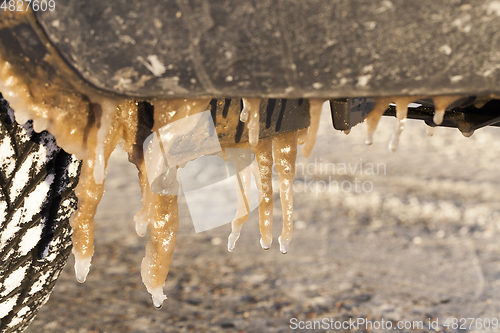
(283, 49)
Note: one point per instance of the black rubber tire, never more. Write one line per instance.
(37, 181)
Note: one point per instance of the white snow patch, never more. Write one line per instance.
(54, 243)
(15, 321)
(386, 5)
(7, 306)
(65, 216)
(445, 49)
(22, 176)
(30, 239)
(33, 202)
(368, 69)
(493, 8)
(154, 65)
(343, 81)
(12, 227)
(19, 318)
(363, 80)
(14, 280)
(9, 254)
(73, 169)
(317, 85)
(51, 257)
(370, 25)
(463, 23)
(38, 285)
(8, 161)
(488, 71)
(32, 205)
(3, 212)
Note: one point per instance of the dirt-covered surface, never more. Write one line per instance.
(421, 243)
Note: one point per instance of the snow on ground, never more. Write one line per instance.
(419, 241)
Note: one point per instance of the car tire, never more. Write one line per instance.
(37, 199)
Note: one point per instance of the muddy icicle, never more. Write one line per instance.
(241, 160)
(89, 192)
(161, 211)
(401, 114)
(251, 108)
(440, 104)
(108, 110)
(159, 250)
(373, 118)
(315, 115)
(263, 171)
(285, 153)
(430, 130)
(301, 136)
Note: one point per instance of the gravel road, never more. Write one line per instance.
(412, 241)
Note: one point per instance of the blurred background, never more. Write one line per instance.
(418, 241)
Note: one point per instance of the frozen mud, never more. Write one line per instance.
(415, 239)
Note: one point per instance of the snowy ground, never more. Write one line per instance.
(420, 243)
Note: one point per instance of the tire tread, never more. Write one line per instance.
(47, 256)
